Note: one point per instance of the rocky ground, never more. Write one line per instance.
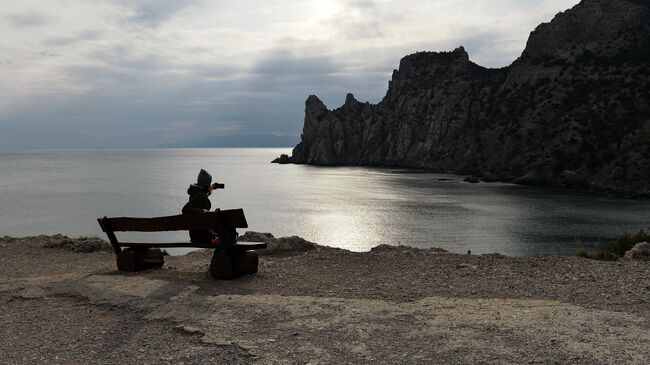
(311, 304)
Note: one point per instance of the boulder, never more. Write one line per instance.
(251, 236)
(288, 245)
(640, 252)
(490, 177)
(283, 245)
(283, 159)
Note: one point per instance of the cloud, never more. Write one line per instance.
(283, 64)
(22, 20)
(87, 35)
(359, 19)
(144, 73)
(154, 12)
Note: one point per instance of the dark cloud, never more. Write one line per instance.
(89, 35)
(26, 20)
(59, 41)
(213, 71)
(136, 88)
(138, 104)
(283, 63)
(290, 79)
(118, 61)
(144, 100)
(154, 12)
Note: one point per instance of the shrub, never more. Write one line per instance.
(627, 241)
(617, 249)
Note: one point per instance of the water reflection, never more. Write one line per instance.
(348, 207)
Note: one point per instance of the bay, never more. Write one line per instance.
(355, 208)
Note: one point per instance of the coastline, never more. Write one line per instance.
(480, 178)
(323, 305)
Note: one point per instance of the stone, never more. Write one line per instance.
(288, 245)
(640, 252)
(251, 236)
(82, 244)
(283, 159)
(134, 260)
(283, 245)
(401, 249)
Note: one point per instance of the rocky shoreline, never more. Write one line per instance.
(475, 179)
(314, 304)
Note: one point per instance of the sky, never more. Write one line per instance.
(146, 73)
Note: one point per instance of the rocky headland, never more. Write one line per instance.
(573, 110)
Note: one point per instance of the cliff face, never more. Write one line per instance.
(573, 110)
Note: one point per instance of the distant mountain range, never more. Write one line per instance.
(573, 110)
(237, 140)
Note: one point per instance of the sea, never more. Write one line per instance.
(355, 208)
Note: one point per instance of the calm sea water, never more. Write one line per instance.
(354, 208)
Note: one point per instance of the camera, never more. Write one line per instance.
(216, 186)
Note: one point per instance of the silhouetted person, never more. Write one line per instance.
(200, 203)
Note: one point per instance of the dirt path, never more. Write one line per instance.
(323, 306)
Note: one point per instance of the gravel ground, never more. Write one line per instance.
(322, 305)
(69, 331)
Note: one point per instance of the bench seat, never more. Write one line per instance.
(243, 246)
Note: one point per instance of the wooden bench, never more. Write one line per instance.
(231, 259)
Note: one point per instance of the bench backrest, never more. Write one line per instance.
(225, 222)
(223, 219)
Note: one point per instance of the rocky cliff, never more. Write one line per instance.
(573, 110)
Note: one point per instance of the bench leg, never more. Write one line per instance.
(140, 259)
(230, 265)
(246, 263)
(221, 266)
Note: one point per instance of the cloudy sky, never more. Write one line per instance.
(141, 73)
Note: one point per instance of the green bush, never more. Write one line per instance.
(627, 241)
(618, 248)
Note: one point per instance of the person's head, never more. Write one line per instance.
(205, 180)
